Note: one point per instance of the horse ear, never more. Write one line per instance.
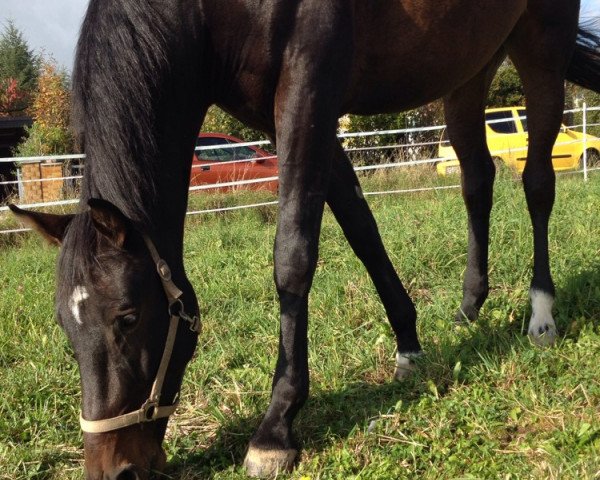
(109, 221)
(52, 227)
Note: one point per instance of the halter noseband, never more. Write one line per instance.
(151, 409)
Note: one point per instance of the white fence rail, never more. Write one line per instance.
(412, 146)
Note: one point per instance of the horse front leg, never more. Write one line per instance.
(305, 132)
(358, 224)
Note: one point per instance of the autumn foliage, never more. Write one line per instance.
(50, 133)
(51, 103)
(18, 72)
(13, 100)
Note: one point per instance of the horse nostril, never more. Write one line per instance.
(128, 472)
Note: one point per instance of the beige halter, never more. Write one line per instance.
(151, 410)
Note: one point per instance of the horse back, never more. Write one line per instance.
(403, 53)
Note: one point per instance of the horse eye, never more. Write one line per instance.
(127, 321)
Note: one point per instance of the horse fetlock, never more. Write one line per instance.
(405, 364)
(264, 463)
(475, 293)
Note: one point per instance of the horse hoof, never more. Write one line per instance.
(268, 463)
(466, 314)
(405, 364)
(543, 335)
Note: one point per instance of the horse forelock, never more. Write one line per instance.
(88, 263)
(77, 257)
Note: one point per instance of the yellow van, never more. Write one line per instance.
(507, 138)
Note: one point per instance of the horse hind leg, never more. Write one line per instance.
(541, 47)
(352, 212)
(464, 111)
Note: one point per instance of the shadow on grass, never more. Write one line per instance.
(331, 416)
(578, 302)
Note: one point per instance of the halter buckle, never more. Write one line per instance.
(194, 322)
(149, 411)
(176, 308)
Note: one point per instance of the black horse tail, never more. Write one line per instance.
(584, 69)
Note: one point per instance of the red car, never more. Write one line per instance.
(225, 164)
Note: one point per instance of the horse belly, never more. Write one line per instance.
(409, 52)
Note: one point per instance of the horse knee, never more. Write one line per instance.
(539, 186)
(294, 268)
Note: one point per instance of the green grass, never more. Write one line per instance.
(484, 403)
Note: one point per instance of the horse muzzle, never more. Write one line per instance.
(131, 454)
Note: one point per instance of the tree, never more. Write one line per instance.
(19, 68)
(50, 133)
(12, 98)
(374, 149)
(575, 96)
(506, 89)
(218, 121)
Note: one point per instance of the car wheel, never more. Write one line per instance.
(593, 159)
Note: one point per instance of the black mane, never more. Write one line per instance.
(121, 61)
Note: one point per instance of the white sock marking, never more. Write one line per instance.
(542, 322)
(79, 295)
(403, 361)
(405, 364)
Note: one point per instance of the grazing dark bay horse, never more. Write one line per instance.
(146, 73)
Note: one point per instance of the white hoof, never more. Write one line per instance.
(405, 365)
(269, 463)
(542, 329)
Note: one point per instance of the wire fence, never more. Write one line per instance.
(411, 152)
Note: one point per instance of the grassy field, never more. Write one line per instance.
(484, 403)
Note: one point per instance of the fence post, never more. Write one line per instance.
(585, 172)
(20, 185)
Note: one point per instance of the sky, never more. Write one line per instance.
(49, 26)
(52, 26)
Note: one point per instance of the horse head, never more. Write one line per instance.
(121, 312)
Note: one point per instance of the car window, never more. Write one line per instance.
(522, 115)
(213, 154)
(502, 122)
(222, 154)
(241, 153)
(207, 141)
